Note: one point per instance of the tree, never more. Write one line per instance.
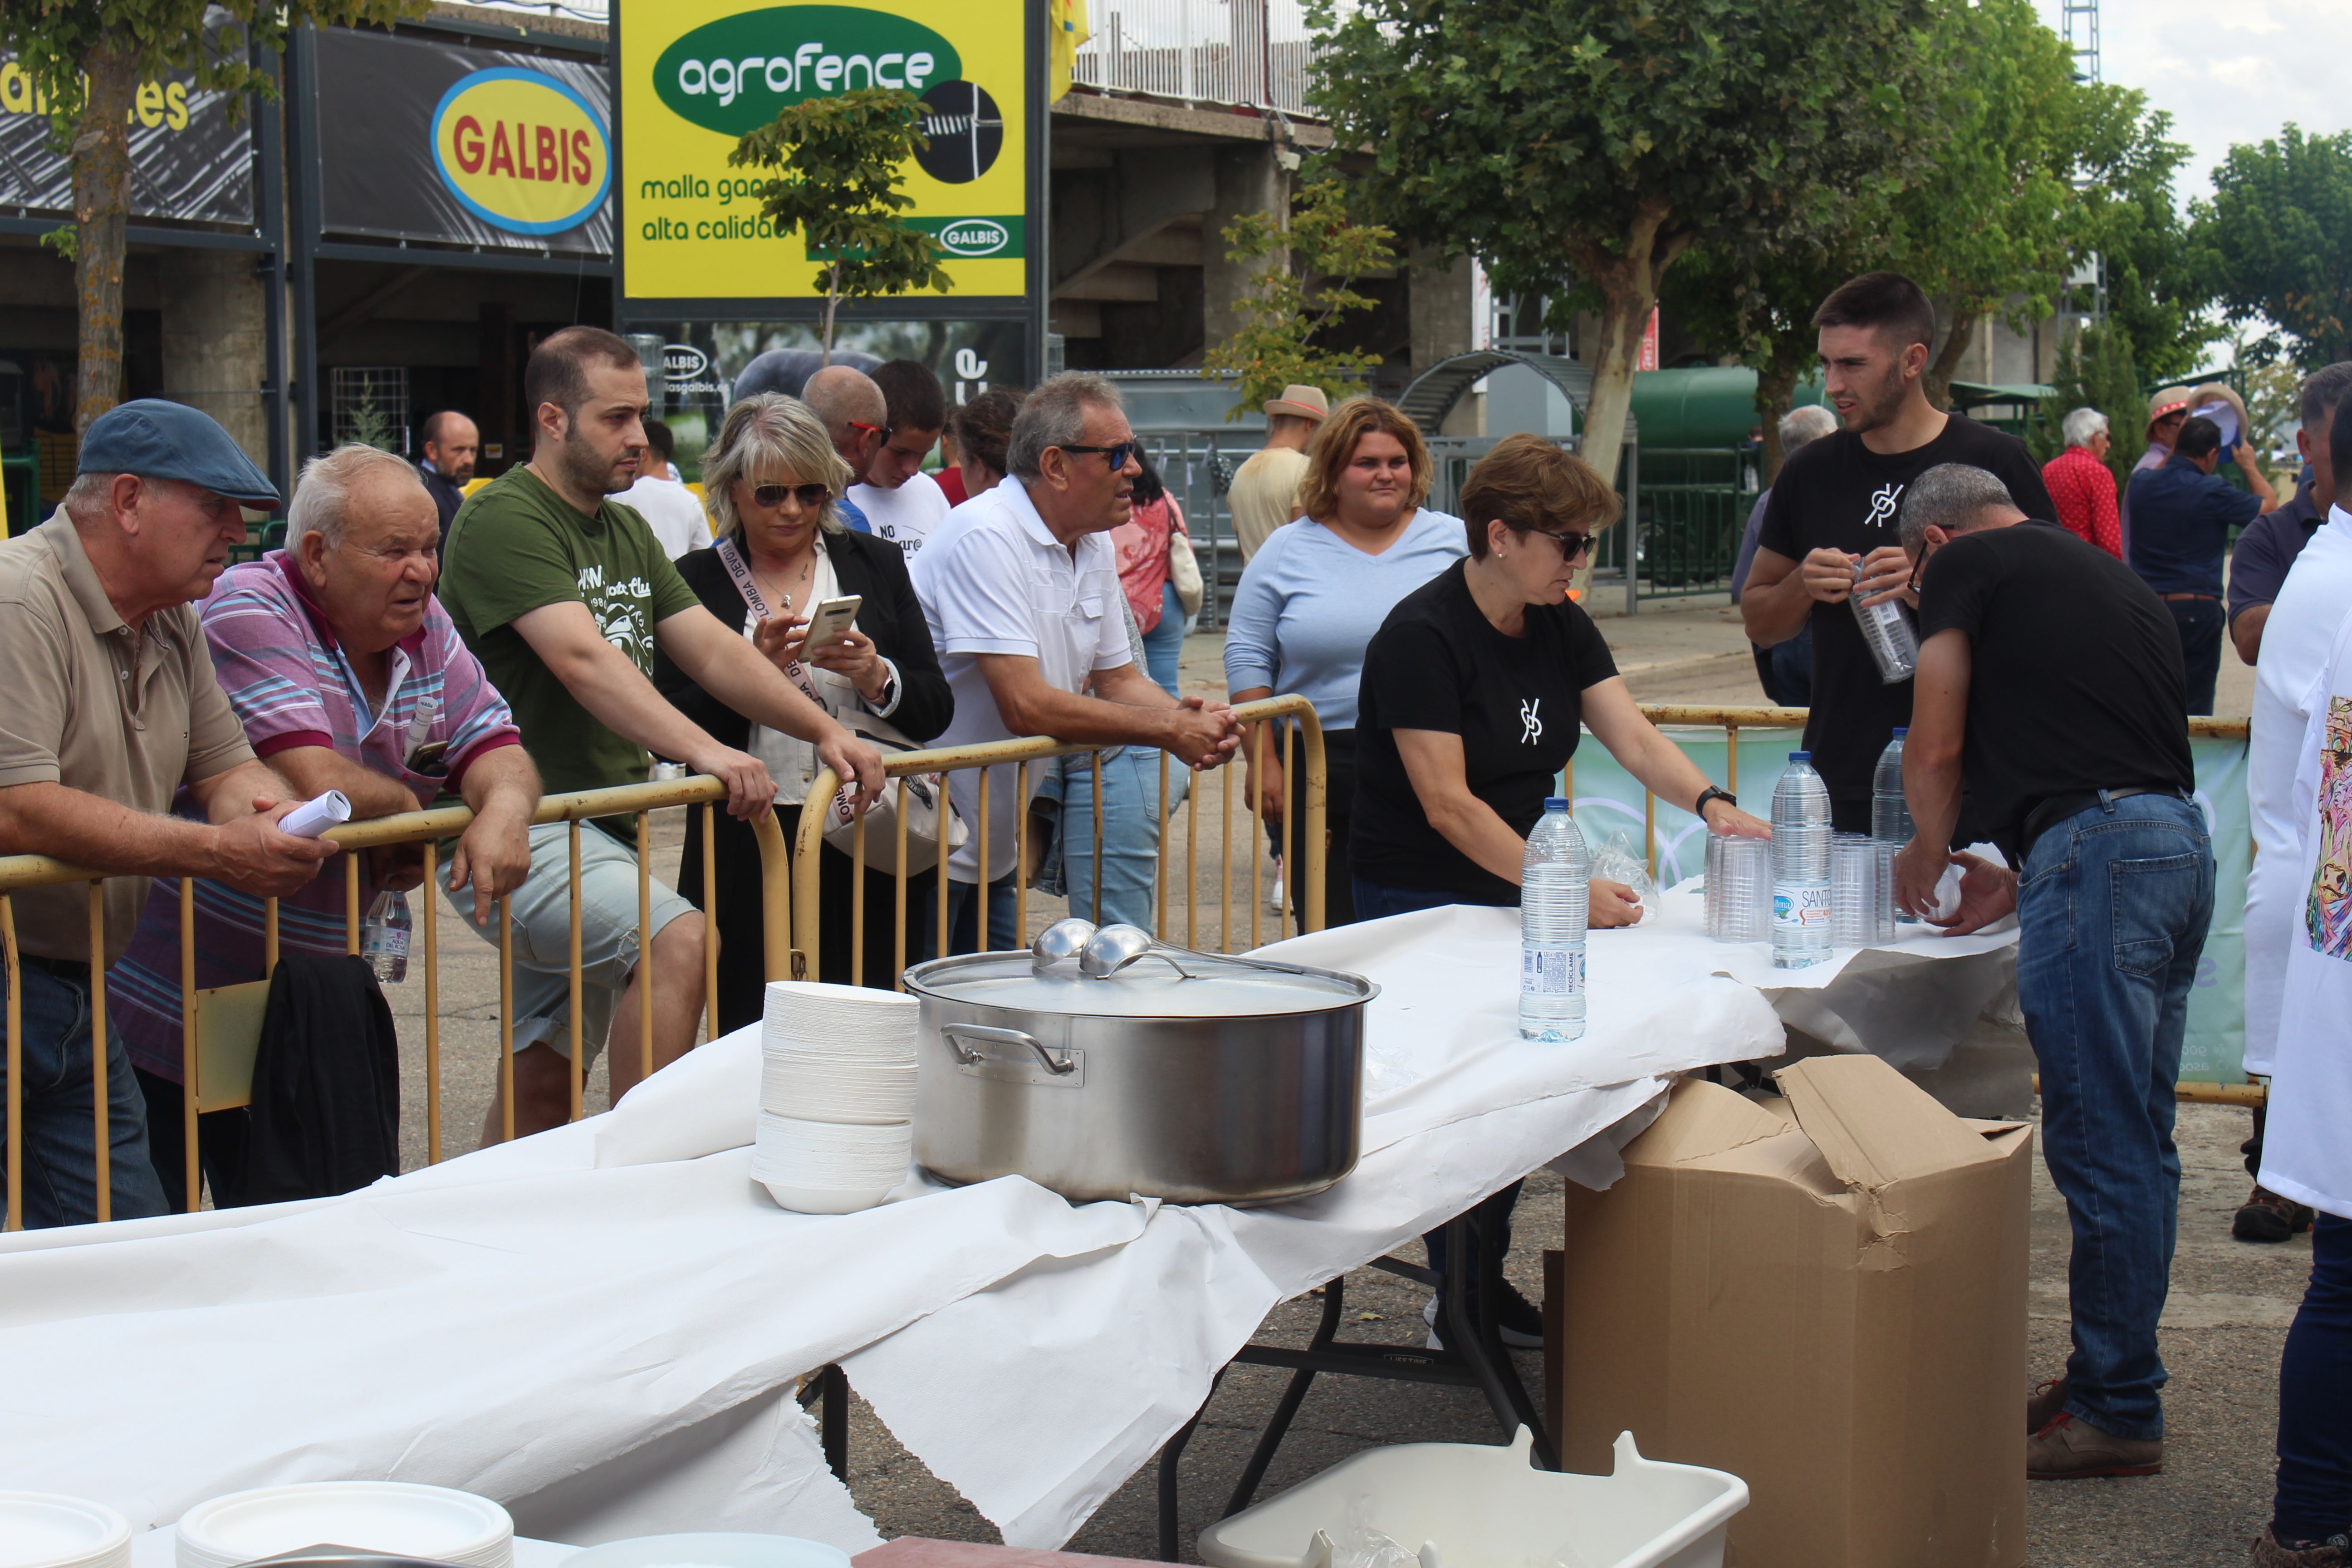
(2096, 371)
(844, 159)
(1316, 257)
(1995, 224)
(87, 58)
(1580, 147)
(2157, 292)
(2278, 239)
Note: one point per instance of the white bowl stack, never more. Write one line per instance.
(398, 1517)
(39, 1529)
(837, 1095)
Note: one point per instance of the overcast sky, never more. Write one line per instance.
(2230, 73)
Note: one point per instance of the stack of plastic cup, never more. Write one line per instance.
(1862, 892)
(1739, 888)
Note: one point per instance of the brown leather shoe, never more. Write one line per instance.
(2266, 1216)
(2335, 1552)
(2071, 1449)
(2044, 1405)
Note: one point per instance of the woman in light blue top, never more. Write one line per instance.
(1316, 592)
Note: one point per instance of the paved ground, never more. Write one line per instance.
(2222, 1337)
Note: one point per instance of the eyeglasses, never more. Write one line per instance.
(861, 425)
(811, 496)
(1116, 456)
(1571, 545)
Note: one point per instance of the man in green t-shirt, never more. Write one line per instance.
(563, 593)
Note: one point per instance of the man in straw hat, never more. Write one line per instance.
(1265, 492)
(2166, 410)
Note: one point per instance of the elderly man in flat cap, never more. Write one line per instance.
(108, 707)
(1266, 490)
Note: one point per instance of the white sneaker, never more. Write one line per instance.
(1274, 897)
(1513, 1339)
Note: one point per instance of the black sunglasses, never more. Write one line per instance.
(1571, 545)
(811, 496)
(1116, 456)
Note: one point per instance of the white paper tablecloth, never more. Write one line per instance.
(601, 1326)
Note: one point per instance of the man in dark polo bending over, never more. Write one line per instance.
(2050, 688)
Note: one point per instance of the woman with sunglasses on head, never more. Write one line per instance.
(1474, 693)
(774, 483)
(1313, 594)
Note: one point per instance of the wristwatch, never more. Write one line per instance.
(1698, 807)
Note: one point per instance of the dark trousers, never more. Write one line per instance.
(220, 1142)
(2201, 623)
(1785, 670)
(1338, 809)
(2314, 1429)
(1004, 934)
(740, 915)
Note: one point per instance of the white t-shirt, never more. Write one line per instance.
(2296, 643)
(674, 513)
(2306, 1155)
(994, 579)
(906, 516)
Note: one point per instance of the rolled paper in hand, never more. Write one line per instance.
(313, 817)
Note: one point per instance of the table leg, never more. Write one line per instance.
(1335, 1296)
(827, 1388)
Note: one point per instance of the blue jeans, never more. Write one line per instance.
(60, 1164)
(963, 916)
(2199, 623)
(2315, 1432)
(1375, 902)
(1130, 833)
(1165, 641)
(2112, 908)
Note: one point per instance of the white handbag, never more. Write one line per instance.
(1184, 571)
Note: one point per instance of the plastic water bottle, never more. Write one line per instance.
(1890, 812)
(1801, 866)
(384, 938)
(1555, 890)
(1893, 643)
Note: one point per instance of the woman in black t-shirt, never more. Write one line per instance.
(1473, 691)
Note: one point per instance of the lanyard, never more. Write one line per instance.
(741, 570)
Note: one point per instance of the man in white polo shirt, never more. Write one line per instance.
(1021, 587)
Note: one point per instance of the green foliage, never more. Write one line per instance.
(371, 425)
(843, 160)
(1580, 147)
(55, 41)
(65, 240)
(2157, 294)
(2277, 240)
(1315, 259)
(2096, 371)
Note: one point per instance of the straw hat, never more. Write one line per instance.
(1300, 403)
(2171, 400)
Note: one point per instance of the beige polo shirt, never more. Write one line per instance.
(88, 704)
(1265, 495)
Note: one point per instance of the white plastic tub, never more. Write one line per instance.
(1468, 1505)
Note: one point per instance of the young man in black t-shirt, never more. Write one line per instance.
(2049, 685)
(1835, 501)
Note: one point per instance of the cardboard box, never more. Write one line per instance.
(1825, 1298)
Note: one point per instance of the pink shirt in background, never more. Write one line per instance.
(1142, 545)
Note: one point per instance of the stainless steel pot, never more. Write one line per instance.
(1228, 1081)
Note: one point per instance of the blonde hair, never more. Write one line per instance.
(765, 432)
(1334, 447)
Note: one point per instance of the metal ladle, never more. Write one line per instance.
(1065, 938)
(1113, 947)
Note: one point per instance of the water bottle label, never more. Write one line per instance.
(389, 942)
(1799, 909)
(1549, 972)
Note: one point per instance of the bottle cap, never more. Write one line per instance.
(1556, 803)
(1901, 733)
(1800, 756)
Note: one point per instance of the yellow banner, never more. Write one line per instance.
(696, 75)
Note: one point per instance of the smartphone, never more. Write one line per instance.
(829, 620)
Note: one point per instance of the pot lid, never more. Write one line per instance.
(1218, 986)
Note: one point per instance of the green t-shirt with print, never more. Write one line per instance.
(516, 546)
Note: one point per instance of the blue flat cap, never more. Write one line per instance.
(160, 441)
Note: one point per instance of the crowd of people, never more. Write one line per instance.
(548, 633)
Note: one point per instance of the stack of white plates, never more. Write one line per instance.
(376, 1516)
(837, 1095)
(39, 1531)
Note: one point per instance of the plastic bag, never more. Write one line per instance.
(1616, 862)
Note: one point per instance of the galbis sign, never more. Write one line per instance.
(521, 150)
(732, 75)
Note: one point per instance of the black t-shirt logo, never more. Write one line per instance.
(1883, 502)
(1531, 727)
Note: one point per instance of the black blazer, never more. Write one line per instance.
(874, 569)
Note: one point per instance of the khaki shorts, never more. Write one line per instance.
(542, 935)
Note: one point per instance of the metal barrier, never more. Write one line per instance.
(1289, 715)
(1258, 53)
(219, 1027)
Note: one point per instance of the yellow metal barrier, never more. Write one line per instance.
(218, 1027)
(1304, 872)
